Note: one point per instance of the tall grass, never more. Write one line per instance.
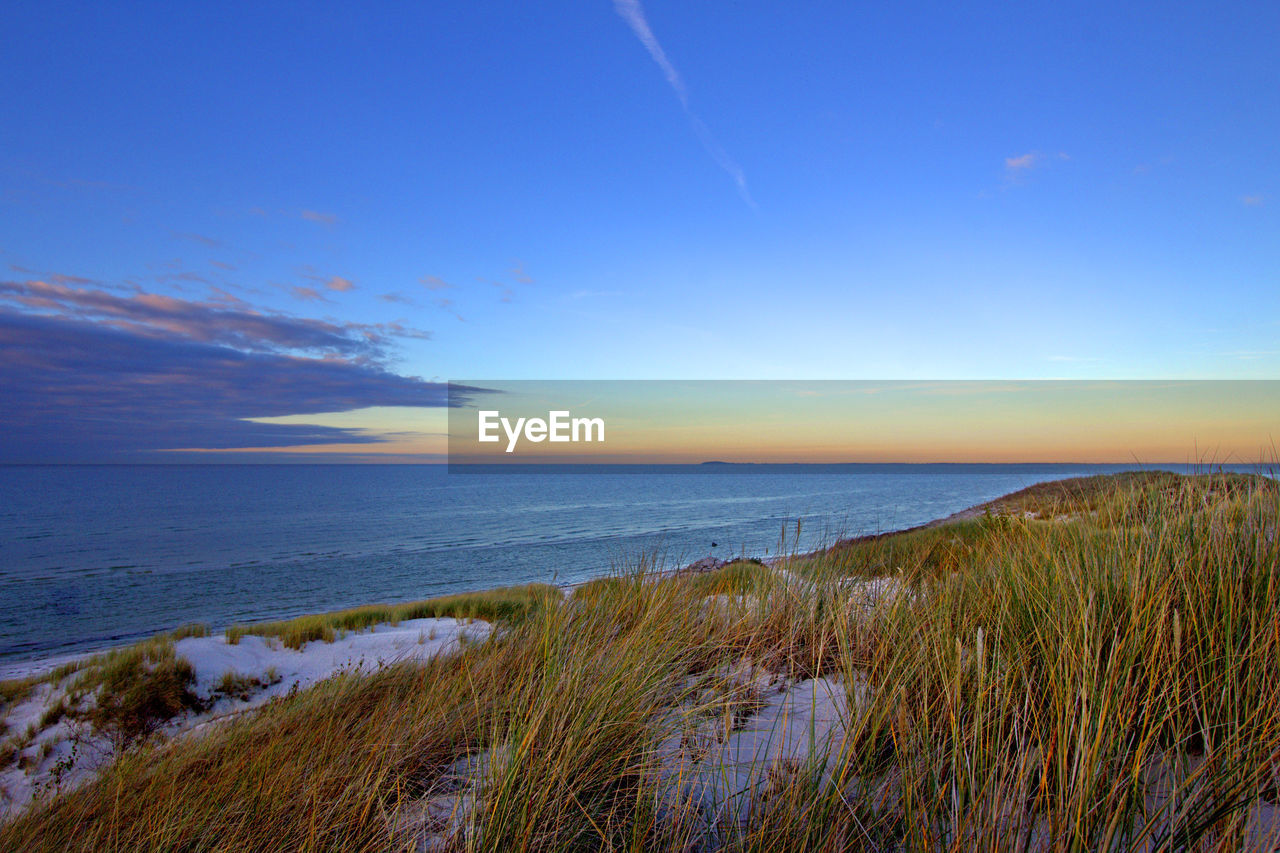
(1102, 676)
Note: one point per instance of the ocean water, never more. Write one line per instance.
(93, 556)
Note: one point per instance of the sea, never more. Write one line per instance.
(96, 556)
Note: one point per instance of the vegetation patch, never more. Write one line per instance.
(740, 577)
(132, 692)
(14, 690)
(509, 605)
(234, 685)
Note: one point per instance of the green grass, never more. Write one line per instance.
(1105, 676)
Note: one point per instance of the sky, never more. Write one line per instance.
(1201, 423)
(272, 231)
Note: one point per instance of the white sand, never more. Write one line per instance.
(363, 651)
(64, 755)
(714, 775)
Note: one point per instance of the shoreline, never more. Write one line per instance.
(41, 666)
(45, 636)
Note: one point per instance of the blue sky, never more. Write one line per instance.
(617, 190)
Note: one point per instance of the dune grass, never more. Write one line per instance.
(130, 693)
(505, 605)
(1103, 676)
(14, 690)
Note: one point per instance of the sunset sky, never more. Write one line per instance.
(273, 231)
(784, 421)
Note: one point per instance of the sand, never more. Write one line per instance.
(65, 754)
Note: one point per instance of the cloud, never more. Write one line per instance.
(222, 265)
(55, 277)
(633, 13)
(217, 294)
(1023, 162)
(198, 238)
(447, 305)
(1017, 168)
(1252, 200)
(91, 375)
(158, 316)
(307, 294)
(58, 278)
(397, 298)
(317, 216)
(518, 273)
(335, 283)
(507, 294)
(80, 390)
(186, 275)
(431, 282)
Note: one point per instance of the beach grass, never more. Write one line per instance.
(1089, 666)
(506, 605)
(14, 690)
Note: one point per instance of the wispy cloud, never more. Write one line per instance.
(185, 275)
(1023, 162)
(335, 283)
(1252, 200)
(202, 240)
(507, 294)
(217, 294)
(307, 294)
(518, 273)
(447, 305)
(318, 216)
(633, 13)
(431, 282)
(1016, 168)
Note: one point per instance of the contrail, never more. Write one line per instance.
(633, 13)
